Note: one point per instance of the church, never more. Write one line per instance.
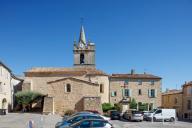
(84, 87)
(81, 87)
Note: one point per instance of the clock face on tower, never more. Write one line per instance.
(81, 45)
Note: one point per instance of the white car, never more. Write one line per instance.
(163, 114)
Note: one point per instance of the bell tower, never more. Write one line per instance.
(84, 52)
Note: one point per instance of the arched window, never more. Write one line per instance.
(82, 58)
(68, 88)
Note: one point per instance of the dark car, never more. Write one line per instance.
(93, 111)
(115, 115)
(75, 119)
(91, 123)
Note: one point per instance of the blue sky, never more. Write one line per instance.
(154, 36)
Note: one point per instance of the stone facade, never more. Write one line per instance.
(137, 86)
(173, 99)
(52, 82)
(187, 100)
(70, 99)
(7, 83)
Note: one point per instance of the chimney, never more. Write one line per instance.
(132, 71)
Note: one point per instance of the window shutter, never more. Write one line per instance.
(149, 92)
(155, 92)
(123, 92)
(130, 92)
(112, 94)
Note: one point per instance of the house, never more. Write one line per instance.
(7, 82)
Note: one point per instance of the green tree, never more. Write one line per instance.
(26, 97)
(133, 104)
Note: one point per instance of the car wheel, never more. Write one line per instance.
(172, 119)
(154, 119)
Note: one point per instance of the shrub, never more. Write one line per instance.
(107, 106)
(117, 107)
(143, 107)
(69, 112)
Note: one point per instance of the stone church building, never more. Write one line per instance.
(81, 87)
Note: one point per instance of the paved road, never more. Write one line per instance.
(20, 120)
(144, 124)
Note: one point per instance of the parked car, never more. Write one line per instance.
(114, 114)
(91, 123)
(93, 111)
(162, 114)
(74, 119)
(77, 113)
(133, 115)
(146, 114)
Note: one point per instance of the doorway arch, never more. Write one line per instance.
(4, 103)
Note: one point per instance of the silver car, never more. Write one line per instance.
(91, 123)
(133, 115)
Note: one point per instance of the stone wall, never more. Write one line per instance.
(71, 100)
(92, 103)
(187, 96)
(48, 106)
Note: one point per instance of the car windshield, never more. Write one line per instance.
(152, 111)
(136, 112)
(74, 119)
(114, 112)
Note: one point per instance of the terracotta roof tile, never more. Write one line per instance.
(174, 91)
(63, 71)
(135, 76)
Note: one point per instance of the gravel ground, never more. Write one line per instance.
(20, 120)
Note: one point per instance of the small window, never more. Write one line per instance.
(139, 82)
(152, 82)
(68, 88)
(139, 92)
(175, 100)
(152, 93)
(113, 94)
(101, 88)
(82, 58)
(126, 82)
(126, 92)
